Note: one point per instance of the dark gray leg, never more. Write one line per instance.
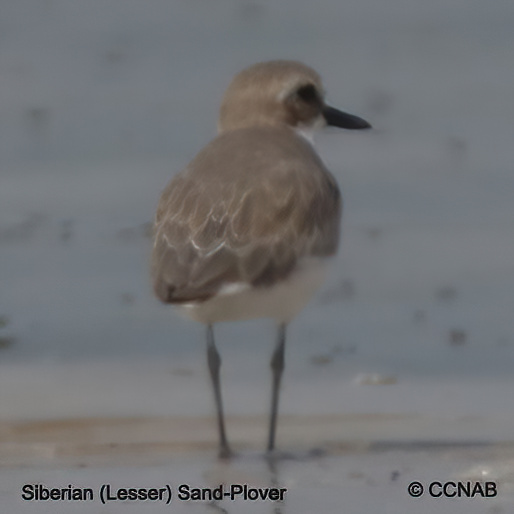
(277, 366)
(214, 362)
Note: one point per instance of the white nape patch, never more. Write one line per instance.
(308, 131)
(281, 302)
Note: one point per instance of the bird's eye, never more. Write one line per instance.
(308, 94)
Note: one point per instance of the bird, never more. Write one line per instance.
(246, 229)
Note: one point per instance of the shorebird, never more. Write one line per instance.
(246, 229)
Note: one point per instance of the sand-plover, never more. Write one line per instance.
(244, 231)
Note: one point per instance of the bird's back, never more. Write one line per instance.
(247, 210)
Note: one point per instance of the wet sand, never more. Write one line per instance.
(356, 473)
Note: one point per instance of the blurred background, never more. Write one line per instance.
(102, 102)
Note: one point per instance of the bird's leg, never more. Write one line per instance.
(214, 362)
(277, 366)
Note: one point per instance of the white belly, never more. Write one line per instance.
(281, 301)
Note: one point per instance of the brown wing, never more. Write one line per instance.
(249, 220)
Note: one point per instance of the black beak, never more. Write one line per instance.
(341, 119)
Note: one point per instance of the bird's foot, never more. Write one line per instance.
(225, 453)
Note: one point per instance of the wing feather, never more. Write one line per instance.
(250, 220)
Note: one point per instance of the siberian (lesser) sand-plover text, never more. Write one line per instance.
(244, 231)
